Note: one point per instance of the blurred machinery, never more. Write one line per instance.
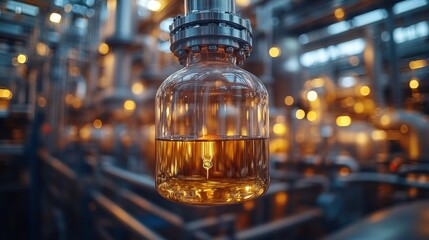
(349, 95)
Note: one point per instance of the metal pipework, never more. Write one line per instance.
(124, 19)
(124, 30)
(191, 227)
(265, 231)
(210, 24)
(411, 217)
(381, 178)
(415, 141)
(118, 68)
(124, 218)
(129, 177)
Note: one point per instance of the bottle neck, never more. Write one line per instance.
(204, 56)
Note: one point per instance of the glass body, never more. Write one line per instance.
(212, 133)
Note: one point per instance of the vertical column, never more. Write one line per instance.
(394, 71)
(122, 43)
(372, 60)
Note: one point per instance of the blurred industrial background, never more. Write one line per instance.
(349, 142)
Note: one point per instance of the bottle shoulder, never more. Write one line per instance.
(213, 74)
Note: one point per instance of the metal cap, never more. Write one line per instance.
(211, 23)
(212, 5)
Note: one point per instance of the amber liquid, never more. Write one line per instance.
(210, 172)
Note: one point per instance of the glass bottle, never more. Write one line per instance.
(212, 131)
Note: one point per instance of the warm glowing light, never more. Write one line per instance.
(413, 151)
(359, 107)
(289, 100)
(411, 177)
(378, 135)
(395, 164)
(347, 102)
(242, 3)
(361, 138)
(309, 172)
(311, 116)
(343, 121)
(414, 83)
(422, 179)
(21, 58)
(74, 71)
(281, 198)
(385, 120)
(207, 154)
(55, 17)
(137, 88)
(412, 192)
(279, 128)
(85, 132)
(274, 52)
(77, 103)
(344, 171)
(41, 101)
(339, 13)
(369, 104)
(299, 114)
(279, 145)
(103, 48)
(417, 64)
(312, 96)
(403, 128)
(129, 105)
(69, 99)
(249, 205)
(4, 106)
(207, 150)
(6, 94)
(97, 123)
(244, 131)
(364, 90)
(154, 5)
(230, 132)
(42, 49)
(318, 82)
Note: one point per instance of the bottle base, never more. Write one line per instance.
(211, 192)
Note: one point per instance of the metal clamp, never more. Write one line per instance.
(213, 25)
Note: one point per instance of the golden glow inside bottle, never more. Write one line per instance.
(211, 116)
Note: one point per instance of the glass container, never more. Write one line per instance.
(212, 131)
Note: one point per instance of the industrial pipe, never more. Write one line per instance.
(407, 221)
(266, 230)
(415, 129)
(127, 176)
(124, 218)
(368, 177)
